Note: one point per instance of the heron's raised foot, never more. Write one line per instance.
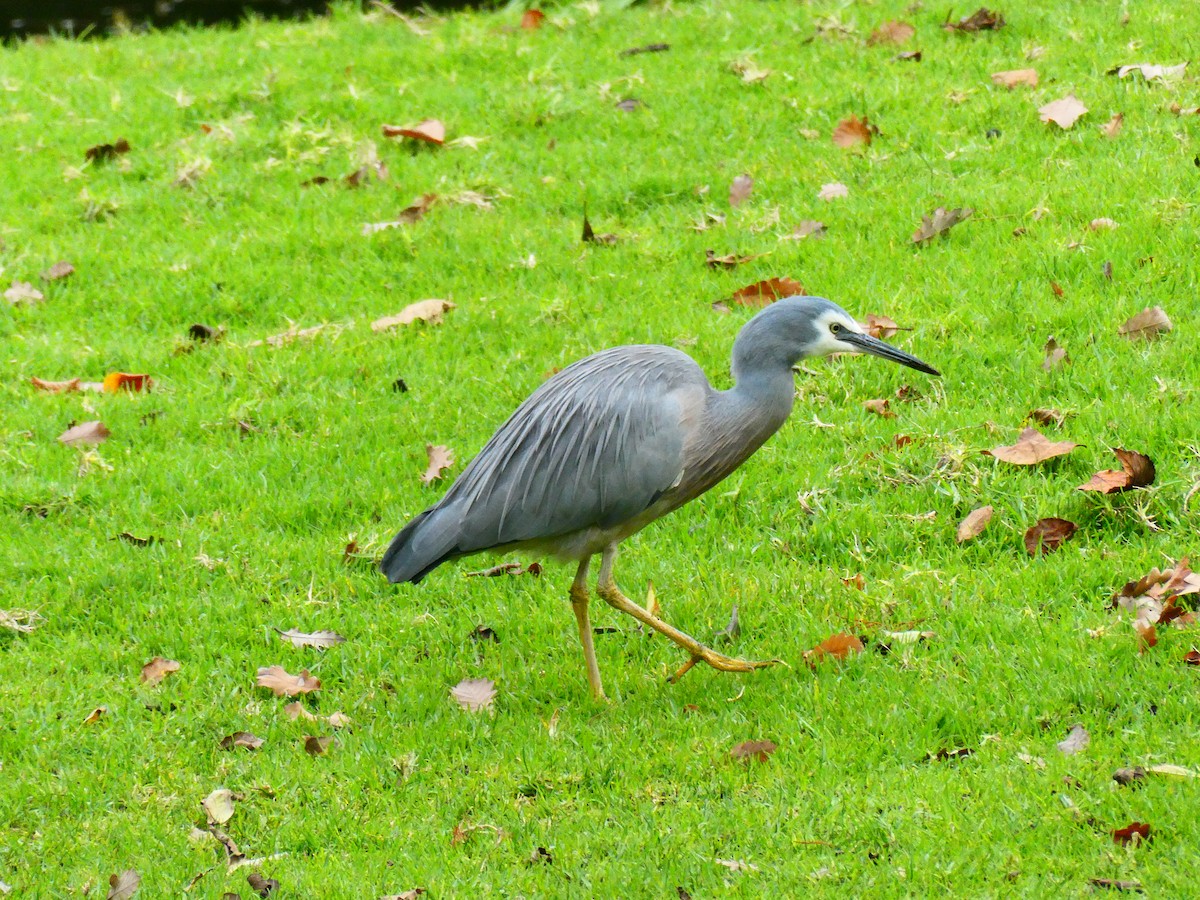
(723, 663)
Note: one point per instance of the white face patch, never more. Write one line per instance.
(827, 340)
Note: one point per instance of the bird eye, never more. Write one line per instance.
(835, 328)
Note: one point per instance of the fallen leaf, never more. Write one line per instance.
(881, 407)
(295, 710)
(474, 693)
(1102, 224)
(629, 104)
(749, 71)
(1032, 447)
(1048, 418)
(737, 865)
(838, 646)
(972, 526)
(946, 753)
(940, 221)
(263, 886)
(430, 131)
(278, 681)
(124, 885)
(1116, 884)
(1063, 113)
(707, 221)
(1047, 535)
(1170, 771)
(322, 640)
(1150, 72)
(648, 48)
(55, 387)
(116, 381)
(292, 334)
(1014, 77)
(362, 175)
(218, 806)
(729, 260)
(881, 327)
(590, 237)
(806, 228)
(1056, 288)
(241, 739)
(23, 292)
(85, 433)
(20, 620)
(57, 271)
(440, 459)
(1133, 833)
(105, 152)
(740, 190)
(1112, 127)
(1137, 470)
(1055, 355)
(430, 311)
(856, 581)
(748, 750)
(1129, 776)
(909, 56)
(200, 332)
(157, 669)
(983, 19)
(1146, 325)
(1076, 740)
(540, 856)
(95, 715)
(893, 32)
(1192, 657)
(852, 131)
(833, 191)
(764, 293)
(532, 19)
(317, 746)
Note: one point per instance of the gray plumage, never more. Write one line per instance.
(620, 438)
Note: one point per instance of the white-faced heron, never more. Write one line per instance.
(616, 440)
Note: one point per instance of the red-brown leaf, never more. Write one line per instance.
(740, 189)
(532, 19)
(1047, 535)
(838, 646)
(1032, 447)
(1133, 833)
(764, 293)
(748, 750)
(116, 381)
(157, 669)
(852, 131)
(1137, 470)
(431, 131)
(893, 32)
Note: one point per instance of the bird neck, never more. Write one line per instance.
(761, 398)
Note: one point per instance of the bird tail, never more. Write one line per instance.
(421, 546)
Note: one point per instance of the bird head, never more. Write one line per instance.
(833, 330)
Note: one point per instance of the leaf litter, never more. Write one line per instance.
(1032, 447)
(157, 669)
(1047, 535)
(430, 311)
(1137, 470)
(1146, 325)
(440, 459)
(473, 694)
(277, 680)
(939, 222)
(322, 640)
(974, 524)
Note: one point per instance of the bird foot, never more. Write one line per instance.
(723, 663)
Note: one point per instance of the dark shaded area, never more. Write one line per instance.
(96, 18)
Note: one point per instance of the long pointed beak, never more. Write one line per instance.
(867, 344)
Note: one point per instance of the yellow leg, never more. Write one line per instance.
(579, 603)
(612, 595)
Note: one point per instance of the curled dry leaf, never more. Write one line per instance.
(1146, 325)
(1137, 470)
(241, 739)
(317, 746)
(940, 221)
(322, 640)
(749, 71)
(278, 681)
(1032, 447)
(1112, 127)
(881, 407)
(838, 646)
(95, 715)
(1047, 535)
(629, 104)
(1127, 776)
(218, 806)
(852, 131)
(20, 620)
(411, 214)
(59, 270)
(430, 311)
(157, 669)
(972, 526)
(1014, 77)
(440, 459)
(983, 19)
(729, 260)
(56, 387)
(104, 152)
(123, 886)
(1076, 740)
(881, 327)
(264, 887)
(430, 131)
(532, 19)
(1151, 72)
(1055, 355)
(85, 433)
(589, 235)
(806, 228)
(474, 693)
(893, 32)
(1102, 224)
(23, 292)
(748, 750)
(1133, 833)
(1063, 113)
(123, 381)
(764, 293)
(835, 190)
(740, 190)
(1192, 657)
(648, 48)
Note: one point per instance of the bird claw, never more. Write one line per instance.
(723, 663)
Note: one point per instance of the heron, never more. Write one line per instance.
(619, 439)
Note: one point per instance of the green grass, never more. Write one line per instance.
(638, 796)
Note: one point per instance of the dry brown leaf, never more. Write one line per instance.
(440, 459)
(838, 646)
(1055, 355)
(95, 715)
(983, 19)
(218, 806)
(117, 381)
(1032, 447)
(61, 269)
(411, 214)
(295, 710)
(909, 56)
(322, 640)
(104, 152)
(806, 228)
(277, 680)
(1192, 657)
(852, 131)
(972, 526)
(893, 32)
(85, 433)
(20, 620)
(241, 739)
(23, 292)
(881, 407)
(940, 221)
(748, 750)
(157, 669)
(1133, 833)
(1150, 72)
(1076, 740)
(1048, 418)
(55, 387)
(430, 131)
(589, 235)
(474, 693)
(532, 19)
(430, 311)
(1047, 535)
(1014, 77)
(835, 190)
(764, 293)
(123, 886)
(1102, 224)
(1112, 127)
(1063, 113)
(740, 190)
(707, 221)
(1146, 325)
(317, 746)
(264, 887)
(292, 334)
(881, 327)
(749, 71)
(1137, 470)
(729, 260)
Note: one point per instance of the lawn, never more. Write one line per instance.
(271, 473)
